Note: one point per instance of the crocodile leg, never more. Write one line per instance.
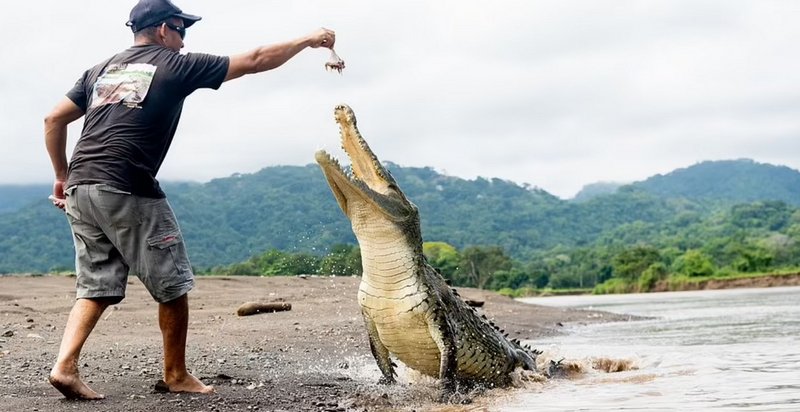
(379, 352)
(445, 339)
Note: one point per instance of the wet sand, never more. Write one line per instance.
(314, 357)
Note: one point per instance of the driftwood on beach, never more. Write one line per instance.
(252, 308)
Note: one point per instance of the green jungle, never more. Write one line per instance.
(712, 220)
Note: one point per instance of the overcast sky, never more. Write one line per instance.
(555, 94)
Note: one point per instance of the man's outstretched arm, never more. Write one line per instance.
(269, 57)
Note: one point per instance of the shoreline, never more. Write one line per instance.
(689, 284)
(756, 281)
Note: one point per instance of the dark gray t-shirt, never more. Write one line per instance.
(132, 103)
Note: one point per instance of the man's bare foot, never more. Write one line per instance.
(186, 384)
(71, 386)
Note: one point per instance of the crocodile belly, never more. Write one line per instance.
(402, 328)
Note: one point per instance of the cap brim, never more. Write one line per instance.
(188, 19)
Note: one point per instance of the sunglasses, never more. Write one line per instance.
(181, 30)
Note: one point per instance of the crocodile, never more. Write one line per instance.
(409, 310)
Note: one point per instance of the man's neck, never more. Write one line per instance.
(145, 42)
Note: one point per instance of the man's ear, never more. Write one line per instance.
(162, 33)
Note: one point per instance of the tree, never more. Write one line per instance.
(271, 263)
(752, 257)
(442, 256)
(694, 263)
(239, 269)
(298, 264)
(538, 276)
(274, 263)
(511, 279)
(478, 265)
(655, 272)
(632, 262)
(773, 215)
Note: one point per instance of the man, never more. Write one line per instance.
(119, 216)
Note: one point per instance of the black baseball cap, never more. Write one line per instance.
(147, 13)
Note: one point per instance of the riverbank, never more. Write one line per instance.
(671, 284)
(314, 357)
(742, 281)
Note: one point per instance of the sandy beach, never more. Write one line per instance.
(314, 357)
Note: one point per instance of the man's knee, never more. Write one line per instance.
(176, 301)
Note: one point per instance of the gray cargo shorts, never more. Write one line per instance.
(117, 233)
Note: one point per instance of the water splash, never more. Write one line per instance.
(553, 363)
(415, 391)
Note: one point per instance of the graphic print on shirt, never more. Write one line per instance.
(126, 83)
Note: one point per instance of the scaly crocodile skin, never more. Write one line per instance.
(408, 309)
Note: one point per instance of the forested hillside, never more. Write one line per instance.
(728, 181)
(291, 209)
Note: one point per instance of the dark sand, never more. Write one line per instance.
(314, 357)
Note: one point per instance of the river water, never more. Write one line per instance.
(735, 349)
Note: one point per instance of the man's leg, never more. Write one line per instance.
(64, 375)
(101, 279)
(173, 318)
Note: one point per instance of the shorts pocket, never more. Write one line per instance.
(162, 253)
(168, 273)
(121, 208)
(71, 207)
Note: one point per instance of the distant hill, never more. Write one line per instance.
(728, 181)
(593, 190)
(290, 208)
(13, 197)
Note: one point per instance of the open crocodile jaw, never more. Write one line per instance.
(368, 181)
